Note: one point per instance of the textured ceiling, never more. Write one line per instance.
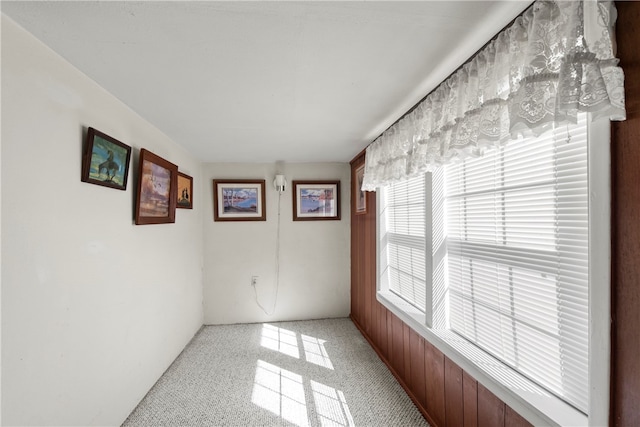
(266, 81)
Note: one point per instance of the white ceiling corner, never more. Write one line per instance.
(266, 81)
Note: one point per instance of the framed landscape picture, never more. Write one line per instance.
(359, 196)
(316, 200)
(157, 182)
(105, 161)
(239, 200)
(185, 191)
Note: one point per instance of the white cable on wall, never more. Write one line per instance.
(275, 300)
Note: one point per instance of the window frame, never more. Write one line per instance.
(525, 397)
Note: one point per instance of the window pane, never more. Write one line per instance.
(402, 240)
(517, 230)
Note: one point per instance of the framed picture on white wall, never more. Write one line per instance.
(105, 161)
(316, 200)
(157, 181)
(239, 200)
(185, 191)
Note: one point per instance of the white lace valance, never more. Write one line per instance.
(555, 59)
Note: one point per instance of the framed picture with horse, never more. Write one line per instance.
(106, 161)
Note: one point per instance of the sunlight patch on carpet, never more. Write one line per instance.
(315, 352)
(331, 406)
(280, 392)
(279, 339)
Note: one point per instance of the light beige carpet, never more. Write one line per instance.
(307, 373)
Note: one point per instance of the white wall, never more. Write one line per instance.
(314, 255)
(94, 308)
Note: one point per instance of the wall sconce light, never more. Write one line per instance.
(279, 183)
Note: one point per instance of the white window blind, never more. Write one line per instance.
(402, 239)
(517, 230)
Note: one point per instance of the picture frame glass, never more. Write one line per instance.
(155, 192)
(316, 200)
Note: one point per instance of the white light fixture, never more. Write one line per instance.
(279, 183)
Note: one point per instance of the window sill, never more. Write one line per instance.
(535, 404)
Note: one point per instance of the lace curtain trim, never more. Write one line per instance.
(555, 60)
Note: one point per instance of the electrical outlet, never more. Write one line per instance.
(254, 280)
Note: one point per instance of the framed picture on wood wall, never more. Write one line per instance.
(316, 200)
(239, 200)
(359, 196)
(157, 182)
(105, 161)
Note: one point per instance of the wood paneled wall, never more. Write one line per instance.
(625, 217)
(444, 393)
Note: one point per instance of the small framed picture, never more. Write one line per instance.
(359, 196)
(239, 200)
(157, 182)
(316, 200)
(105, 161)
(185, 191)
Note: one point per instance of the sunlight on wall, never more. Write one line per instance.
(281, 340)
